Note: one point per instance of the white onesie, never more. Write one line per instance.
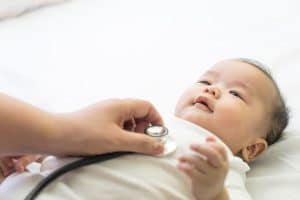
(129, 177)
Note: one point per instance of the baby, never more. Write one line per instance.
(239, 102)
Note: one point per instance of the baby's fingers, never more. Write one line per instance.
(213, 157)
(189, 170)
(219, 147)
(198, 162)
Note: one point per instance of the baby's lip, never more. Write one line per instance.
(204, 101)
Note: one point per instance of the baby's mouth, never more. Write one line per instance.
(203, 103)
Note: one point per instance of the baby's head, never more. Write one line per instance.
(238, 101)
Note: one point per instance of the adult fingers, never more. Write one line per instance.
(139, 143)
(140, 109)
(22, 162)
(141, 125)
(2, 177)
(7, 166)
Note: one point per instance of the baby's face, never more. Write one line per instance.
(232, 100)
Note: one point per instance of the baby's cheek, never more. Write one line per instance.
(179, 106)
(230, 118)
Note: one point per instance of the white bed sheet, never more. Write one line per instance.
(14, 8)
(66, 56)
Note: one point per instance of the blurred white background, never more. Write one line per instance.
(66, 56)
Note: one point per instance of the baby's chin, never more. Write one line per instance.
(195, 119)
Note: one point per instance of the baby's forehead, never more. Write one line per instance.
(238, 70)
(248, 74)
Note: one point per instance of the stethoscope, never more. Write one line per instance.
(157, 131)
(162, 134)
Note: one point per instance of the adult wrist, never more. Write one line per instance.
(59, 140)
(223, 195)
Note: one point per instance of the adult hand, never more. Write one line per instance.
(108, 126)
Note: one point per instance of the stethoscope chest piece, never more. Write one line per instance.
(161, 133)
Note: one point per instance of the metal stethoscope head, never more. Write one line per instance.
(162, 134)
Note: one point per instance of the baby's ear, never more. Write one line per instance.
(253, 150)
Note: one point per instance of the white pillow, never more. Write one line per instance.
(13, 8)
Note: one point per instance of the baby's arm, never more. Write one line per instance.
(207, 169)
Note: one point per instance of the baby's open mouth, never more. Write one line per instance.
(203, 103)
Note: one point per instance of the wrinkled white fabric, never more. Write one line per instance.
(129, 177)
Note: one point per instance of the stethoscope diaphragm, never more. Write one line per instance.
(161, 133)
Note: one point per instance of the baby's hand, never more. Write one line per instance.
(207, 169)
(11, 164)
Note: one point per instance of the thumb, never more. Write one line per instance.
(141, 143)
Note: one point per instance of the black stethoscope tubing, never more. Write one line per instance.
(163, 131)
(69, 167)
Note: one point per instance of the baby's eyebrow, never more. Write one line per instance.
(212, 73)
(241, 84)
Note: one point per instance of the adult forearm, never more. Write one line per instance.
(96, 129)
(24, 128)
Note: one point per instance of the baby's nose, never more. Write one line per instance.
(214, 91)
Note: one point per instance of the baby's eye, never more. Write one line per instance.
(236, 94)
(204, 82)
